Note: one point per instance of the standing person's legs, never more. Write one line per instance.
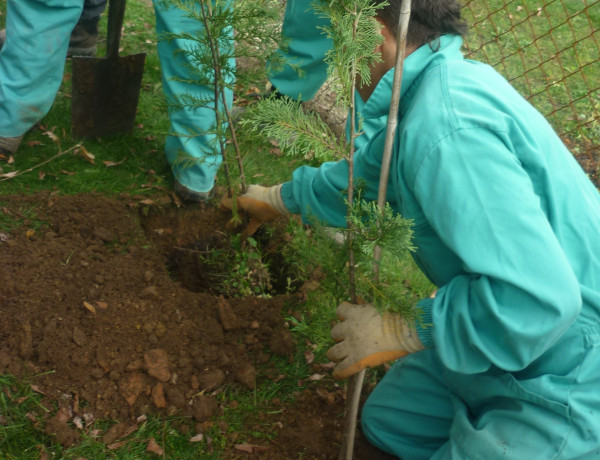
(306, 52)
(191, 147)
(32, 61)
(84, 38)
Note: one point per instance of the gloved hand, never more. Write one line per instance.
(261, 204)
(368, 338)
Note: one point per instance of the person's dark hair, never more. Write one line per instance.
(429, 19)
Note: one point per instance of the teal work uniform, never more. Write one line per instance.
(32, 60)
(507, 225)
(192, 129)
(305, 70)
(191, 147)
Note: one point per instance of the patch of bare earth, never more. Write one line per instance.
(93, 317)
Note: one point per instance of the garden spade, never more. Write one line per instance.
(105, 91)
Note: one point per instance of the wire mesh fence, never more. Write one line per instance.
(550, 51)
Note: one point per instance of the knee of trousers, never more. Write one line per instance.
(375, 425)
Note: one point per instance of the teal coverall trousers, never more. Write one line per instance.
(306, 48)
(421, 410)
(192, 145)
(192, 130)
(32, 60)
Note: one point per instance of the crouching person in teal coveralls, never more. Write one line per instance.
(507, 362)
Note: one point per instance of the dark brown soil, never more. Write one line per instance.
(108, 315)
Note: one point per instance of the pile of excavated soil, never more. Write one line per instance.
(95, 315)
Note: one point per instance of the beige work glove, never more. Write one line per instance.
(368, 338)
(261, 204)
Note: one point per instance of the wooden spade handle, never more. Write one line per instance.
(116, 13)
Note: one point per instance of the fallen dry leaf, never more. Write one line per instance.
(154, 448)
(198, 438)
(29, 233)
(250, 448)
(78, 422)
(309, 356)
(148, 202)
(102, 305)
(10, 174)
(87, 156)
(37, 389)
(52, 136)
(67, 173)
(329, 365)
(34, 143)
(109, 163)
(116, 445)
(90, 307)
(41, 175)
(43, 454)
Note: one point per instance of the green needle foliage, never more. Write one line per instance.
(354, 32)
(298, 133)
(322, 252)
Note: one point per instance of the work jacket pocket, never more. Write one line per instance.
(521, 392)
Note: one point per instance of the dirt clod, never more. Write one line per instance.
(157, 364)
(203, 408)
(209, 380)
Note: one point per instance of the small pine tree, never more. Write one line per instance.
(214, 53)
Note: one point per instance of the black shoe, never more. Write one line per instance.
(10, 145)
(189, 196)
(84, 38)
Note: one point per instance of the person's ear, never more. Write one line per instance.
(388, 47)
(384, 32)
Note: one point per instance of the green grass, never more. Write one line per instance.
(550, 52)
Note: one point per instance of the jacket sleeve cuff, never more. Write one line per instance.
(424, 324)
(287, 195)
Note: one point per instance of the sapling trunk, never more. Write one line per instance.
(219, 91)
(355, 382)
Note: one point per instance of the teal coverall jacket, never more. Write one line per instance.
(507, 225)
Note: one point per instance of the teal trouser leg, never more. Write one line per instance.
(192, 146)
(33, 59)
(306, 50)
(550, 410)
(410, 411)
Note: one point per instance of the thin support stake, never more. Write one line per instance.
(357, 381)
